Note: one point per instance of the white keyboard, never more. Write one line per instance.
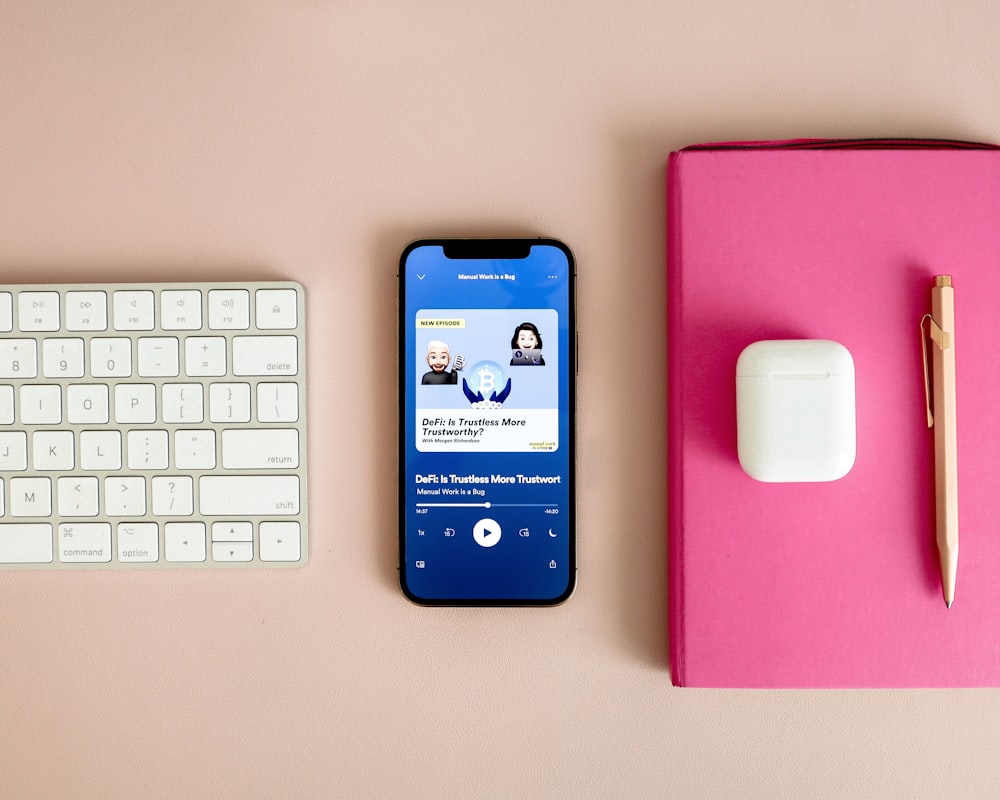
(152, 426)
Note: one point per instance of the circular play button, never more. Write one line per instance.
(486, 532)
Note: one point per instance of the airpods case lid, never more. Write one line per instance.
(795, 410)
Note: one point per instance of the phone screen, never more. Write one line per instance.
(487, 370)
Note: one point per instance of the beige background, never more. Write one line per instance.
(312, 140)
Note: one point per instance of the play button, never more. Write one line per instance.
(486, 532)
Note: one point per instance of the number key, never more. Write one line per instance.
(18, 358)
(111, 357)
(62, 358)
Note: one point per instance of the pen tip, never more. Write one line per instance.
(948, 603)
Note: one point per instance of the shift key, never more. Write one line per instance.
(249, 495)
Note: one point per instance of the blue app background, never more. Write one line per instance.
(487, 506)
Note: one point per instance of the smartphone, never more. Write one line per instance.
(487, 365)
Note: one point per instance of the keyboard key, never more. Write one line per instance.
(38, 311)
(173, 496)
(111, 357)
(6, 405)
(204, 356)
(41, 405)
(52, 450)
(83, 542)
(62, 358)
(18, 358)
(30, 497)
(86, 311)
(232, 551)
(260, 448)
(158, 357)
(138, 542)
(133, 310)
(135, 403)
(229, 309)
(277, 402)
(183, 403)
(194, 449)
(229, 402)
(77, 497)
(265, 355)
(13, 451)
(180, 310)
(25, 543)
(232, 531)
(6, 312)
(184, 541)
(279, 541)
(250, 495)
(276, 309)
(124, 496)
(147, 449)
(87, 403)
(101, 450)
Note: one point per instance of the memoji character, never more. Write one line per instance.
(438, 359)
(526, 346)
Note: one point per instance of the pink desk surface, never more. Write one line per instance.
(311, 140)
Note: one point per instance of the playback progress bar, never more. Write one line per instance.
(487, 505)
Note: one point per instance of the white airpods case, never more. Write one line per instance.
(795, 410)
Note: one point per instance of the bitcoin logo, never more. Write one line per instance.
(487, 377)
(486, 382)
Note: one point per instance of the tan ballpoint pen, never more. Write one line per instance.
(942, 418)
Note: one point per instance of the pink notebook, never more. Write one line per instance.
(832, 584)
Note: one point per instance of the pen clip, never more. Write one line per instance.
(943, 340)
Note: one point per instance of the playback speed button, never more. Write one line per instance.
(486, 532)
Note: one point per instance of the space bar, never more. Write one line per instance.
(249, 495)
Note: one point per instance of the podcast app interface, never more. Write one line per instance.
(488, 451)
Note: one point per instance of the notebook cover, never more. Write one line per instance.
(832, 584)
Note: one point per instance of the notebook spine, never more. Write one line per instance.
(901, 143)
(675, 390)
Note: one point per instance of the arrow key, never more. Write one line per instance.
(184, 541)
(279, 541)
(232, 551)
(232, 532)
